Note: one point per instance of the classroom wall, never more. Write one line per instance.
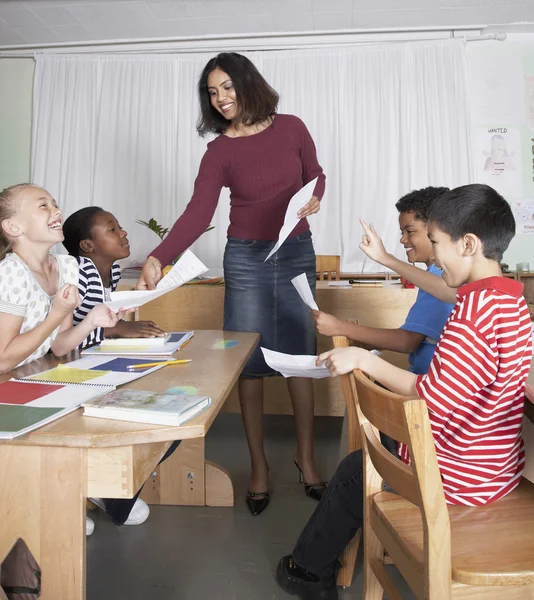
(16, 85)
(501, 89)
(501, 95)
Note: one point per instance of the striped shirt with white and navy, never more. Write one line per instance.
(474, 391)
(92, 292)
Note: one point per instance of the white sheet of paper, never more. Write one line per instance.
(303, 288)
(290, 365)
(187, 268)
(290, 220)
(133, 299)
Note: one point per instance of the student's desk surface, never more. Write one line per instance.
(212, 372)
(46, 476)
(201, 307)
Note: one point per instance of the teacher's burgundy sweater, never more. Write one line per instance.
(263, 172)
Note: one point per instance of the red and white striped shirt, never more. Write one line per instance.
(474, 391)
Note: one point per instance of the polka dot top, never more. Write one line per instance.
(22, 296)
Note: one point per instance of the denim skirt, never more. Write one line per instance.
(260, 297)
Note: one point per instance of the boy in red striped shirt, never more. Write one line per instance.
(474, 389)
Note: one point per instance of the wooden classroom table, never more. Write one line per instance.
(46, 475)
(201, 307)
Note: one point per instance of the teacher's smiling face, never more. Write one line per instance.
(222, 94)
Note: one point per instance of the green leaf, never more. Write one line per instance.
(158, 229)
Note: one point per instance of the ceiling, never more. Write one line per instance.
(35, 22)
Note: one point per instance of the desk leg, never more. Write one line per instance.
(187, 479)
(42, 501)
(219, 488)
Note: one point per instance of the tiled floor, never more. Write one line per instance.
(188, 553)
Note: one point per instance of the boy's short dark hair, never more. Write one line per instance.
(78, 227)
(419, 201)
(476, 209)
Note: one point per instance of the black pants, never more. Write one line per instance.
(118, 509)
(336, 519)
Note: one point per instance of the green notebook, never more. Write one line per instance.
(27, 404)
(16, 419)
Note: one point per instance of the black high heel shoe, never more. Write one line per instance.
(257, 502)
(313, 490)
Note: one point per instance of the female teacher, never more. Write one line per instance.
(264, 158)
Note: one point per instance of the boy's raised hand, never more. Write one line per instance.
(372, 244)
(343, 360)
(66, 300)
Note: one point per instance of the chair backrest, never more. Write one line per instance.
(329, 264)
(349, 394)
(529, 410)
(406, 420)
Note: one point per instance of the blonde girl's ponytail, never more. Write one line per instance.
(7, 210)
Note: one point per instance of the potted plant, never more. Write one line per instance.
(161, 232)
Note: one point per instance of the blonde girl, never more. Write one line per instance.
(38, 290)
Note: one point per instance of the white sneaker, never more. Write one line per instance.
(138, 514)
(89, 526)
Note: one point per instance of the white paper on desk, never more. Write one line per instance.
(303, 288)
(343, 283)
(290, 365)
(291, 219)
(187, 268)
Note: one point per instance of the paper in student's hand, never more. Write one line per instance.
(290, 365)
(133, 299)
(303, 288)
(302, 197)
(187, 268)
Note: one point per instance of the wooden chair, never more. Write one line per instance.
(442, 551)
(350, 442)
(329, 264)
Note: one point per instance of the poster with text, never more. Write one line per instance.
(498, 160)
(524, 216)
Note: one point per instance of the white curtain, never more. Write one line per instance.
(119, 132)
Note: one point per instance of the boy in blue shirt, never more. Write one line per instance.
(420, 333)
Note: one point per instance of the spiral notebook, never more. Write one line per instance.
(26, 405)
(96, 370)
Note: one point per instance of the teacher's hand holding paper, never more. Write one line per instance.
(310, 208)
(297, 205)
(188, 267)
(150, 275)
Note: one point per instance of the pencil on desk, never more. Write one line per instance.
(160, 363)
